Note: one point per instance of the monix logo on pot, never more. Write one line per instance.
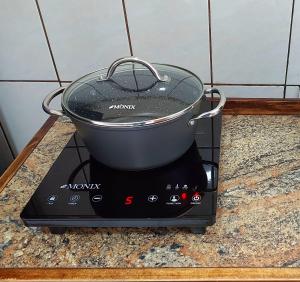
(83, 186)
(122, 107)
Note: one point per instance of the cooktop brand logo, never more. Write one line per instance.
(122, 107)
(81, 186)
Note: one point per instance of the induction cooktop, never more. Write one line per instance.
(78, 191)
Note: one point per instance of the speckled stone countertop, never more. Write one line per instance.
(258, 216)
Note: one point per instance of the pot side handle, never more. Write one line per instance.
(48, 100)
(213, 112)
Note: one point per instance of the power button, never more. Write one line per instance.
(196, 198)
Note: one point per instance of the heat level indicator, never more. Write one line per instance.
(128, 200)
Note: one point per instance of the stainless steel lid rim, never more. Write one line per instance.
(139, 124)
(99, 99)
(136, 125)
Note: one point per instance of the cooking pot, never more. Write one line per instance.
(135, 115)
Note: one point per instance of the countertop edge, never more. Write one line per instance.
(21, 158)
(262, 106)
(151, 274)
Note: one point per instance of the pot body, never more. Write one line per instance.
(138, 148)
(135, 119)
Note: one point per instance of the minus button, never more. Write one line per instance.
(97, 198)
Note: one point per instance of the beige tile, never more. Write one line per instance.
(24, 52)
(21, 111)
(171, 31)
(252, 91)
(292, 92)
(250, 40)
(85, 35)
(294, 61)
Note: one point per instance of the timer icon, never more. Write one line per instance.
(74, 198)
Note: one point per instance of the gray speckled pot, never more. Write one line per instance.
(138, 148)
(147, 143)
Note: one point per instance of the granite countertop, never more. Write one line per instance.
(258, 215)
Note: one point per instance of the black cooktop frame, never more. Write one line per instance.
(58, 216)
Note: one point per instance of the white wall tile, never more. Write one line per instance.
(85, 35)
(294, 61)
(250, 40)
(21, 111)
(171, 31)
(292, 92)
(23, 50)
(252, 91)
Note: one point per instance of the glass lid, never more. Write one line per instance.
(132, 92)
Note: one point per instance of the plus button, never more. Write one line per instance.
(152, 198)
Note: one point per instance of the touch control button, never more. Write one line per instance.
(51, 199)
(174, 198)
(195, 188)
(196, 198)
(74, 198)
(97, 198)
(152, 198)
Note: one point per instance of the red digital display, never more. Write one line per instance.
(183, 196)
(128, 200)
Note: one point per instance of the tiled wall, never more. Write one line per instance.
(247, 48)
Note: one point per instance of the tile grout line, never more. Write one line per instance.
(211, 72)
(210, 45)
(205, 83)
(48, 42)
(288, 51)
(29, 80)
(127, 27)
(252, 84)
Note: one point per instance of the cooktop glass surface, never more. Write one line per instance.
(79, 187)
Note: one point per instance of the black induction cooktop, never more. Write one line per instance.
(78, 191)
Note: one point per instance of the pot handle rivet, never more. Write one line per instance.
(213, 112)
(49, 98)
(150, 67)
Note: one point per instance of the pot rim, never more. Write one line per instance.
(135, 124)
